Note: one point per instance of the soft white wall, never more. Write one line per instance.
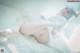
(29, 9)
(33, 9)
(8, 17)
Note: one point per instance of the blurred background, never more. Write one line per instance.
(12, 12)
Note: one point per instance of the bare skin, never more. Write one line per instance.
(65, 12)
(39, 31)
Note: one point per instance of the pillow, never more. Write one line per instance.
(70, 25)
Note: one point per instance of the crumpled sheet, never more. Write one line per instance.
(28, 44)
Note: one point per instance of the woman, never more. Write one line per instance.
(38, 36)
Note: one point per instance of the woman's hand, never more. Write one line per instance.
(5, 32)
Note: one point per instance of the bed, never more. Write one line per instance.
(25, 42)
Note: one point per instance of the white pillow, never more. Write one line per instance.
(70, 25)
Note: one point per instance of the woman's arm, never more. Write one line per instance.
(5, 32)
